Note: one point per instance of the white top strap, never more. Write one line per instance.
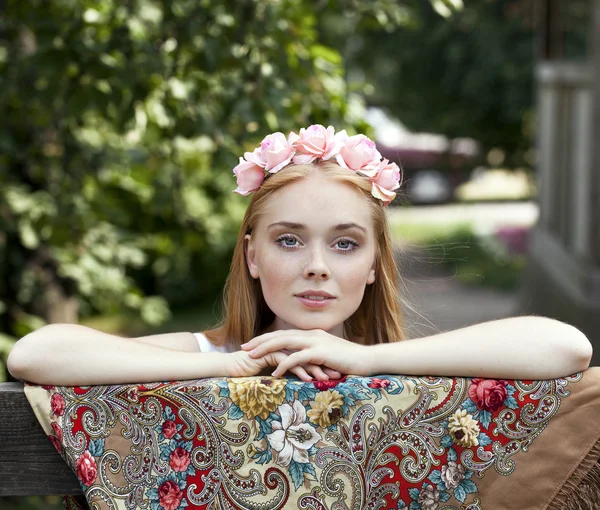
(206, 346)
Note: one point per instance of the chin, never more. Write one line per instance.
(325, 325)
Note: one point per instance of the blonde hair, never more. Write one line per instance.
(378, 318)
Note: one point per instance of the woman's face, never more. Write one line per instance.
(316, 236)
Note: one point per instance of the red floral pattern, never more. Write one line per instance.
(57, 403)
(170, 495)
(379, 383)
(180, 459)
(169, 429)
(86, 468)
(326, 385)
(397, 442)
(488, 394)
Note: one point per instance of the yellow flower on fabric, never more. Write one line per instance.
(257, 396)
(326, 409)
(463, 429)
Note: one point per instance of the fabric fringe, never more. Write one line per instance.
(581, 491)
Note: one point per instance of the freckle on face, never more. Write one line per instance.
(316, 263)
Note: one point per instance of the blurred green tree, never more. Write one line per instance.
(457, 68)
(120, 123)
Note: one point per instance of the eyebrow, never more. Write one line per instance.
(301, 226)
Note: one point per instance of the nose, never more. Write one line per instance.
(316, 265)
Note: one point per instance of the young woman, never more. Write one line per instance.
(312, 290)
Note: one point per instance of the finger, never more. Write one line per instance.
(333, 374)
(297, 358)
(316, 371)
(301, 373)
(278, 357)
(279, 344)
(258, 340)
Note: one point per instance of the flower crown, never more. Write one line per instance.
(356, 153)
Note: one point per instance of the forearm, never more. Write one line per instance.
(518, 348)
(76, 355)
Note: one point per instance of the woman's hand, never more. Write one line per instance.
(241, 364)
(314, 347)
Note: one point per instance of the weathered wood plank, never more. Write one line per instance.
(29, 464)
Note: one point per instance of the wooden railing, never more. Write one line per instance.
(29, 464)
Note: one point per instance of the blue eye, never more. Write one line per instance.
(289, 242)
(286, 241)
(347, 245)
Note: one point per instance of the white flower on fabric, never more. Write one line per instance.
(429, 498)
(292, 437)
(453, 474)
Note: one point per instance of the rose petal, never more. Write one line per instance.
(249, 177)
(382, 194)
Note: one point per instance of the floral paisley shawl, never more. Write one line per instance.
(389, 442)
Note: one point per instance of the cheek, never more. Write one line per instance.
(354, 280)
(356, 273)
(276, 272)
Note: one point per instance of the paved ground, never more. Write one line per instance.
(438, 302)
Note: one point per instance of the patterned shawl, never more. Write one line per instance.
(389, 442)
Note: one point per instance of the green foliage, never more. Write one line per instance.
(31, 503)
(461, 71)
(121, 122)
(461, 68)
(6, 344)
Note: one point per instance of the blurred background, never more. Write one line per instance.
(121, 121)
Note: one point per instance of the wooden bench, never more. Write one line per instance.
(29, 464)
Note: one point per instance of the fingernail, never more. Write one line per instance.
(244, 345)
(252, 352)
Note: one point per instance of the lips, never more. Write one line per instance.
(315, 298)
(316, 295)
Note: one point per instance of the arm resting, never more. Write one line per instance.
(70, 355)
(520, 347)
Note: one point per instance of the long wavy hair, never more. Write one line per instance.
(378, 318)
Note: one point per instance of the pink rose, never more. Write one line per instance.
(388, 175)
(385, 181)
(378, 383)
(276, 152)
(326, 385)
(488, 394)
(86, 468)
(169, 429)
(169, 495)
(314, 142)
(57, 403)
(357, 153)
(249, 177)
(57, 431)
(180, 459)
